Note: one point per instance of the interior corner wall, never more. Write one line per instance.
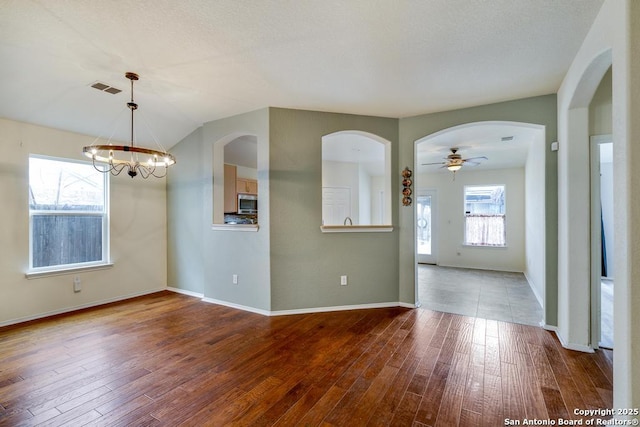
(185, 210)
(600, 118)
(306, 264)
(537, 110)
(535, 220)
(600, 124)
(204, 260)
(138, 232)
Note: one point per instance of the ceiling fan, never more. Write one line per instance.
(454, 161)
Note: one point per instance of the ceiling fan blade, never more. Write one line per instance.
(475, 158)
(471, 163)
(436, 163)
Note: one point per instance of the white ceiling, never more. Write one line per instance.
(476, 140)
(355, 148)
(202, 60)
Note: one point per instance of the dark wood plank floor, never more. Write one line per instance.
(168, 359)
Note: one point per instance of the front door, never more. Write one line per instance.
(425, 231)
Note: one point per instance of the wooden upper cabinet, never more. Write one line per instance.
(245, 185)
(234, 185)
(230, 193)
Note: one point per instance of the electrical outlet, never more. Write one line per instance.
(234, 279)
(343, 280)
(77, 284)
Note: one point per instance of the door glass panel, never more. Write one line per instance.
(423, 224)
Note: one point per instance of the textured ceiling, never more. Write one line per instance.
(201, 60)
(504, 145)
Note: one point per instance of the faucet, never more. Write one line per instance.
(347, 219)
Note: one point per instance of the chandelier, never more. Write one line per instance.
(135, 160)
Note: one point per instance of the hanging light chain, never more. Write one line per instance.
(133, 166)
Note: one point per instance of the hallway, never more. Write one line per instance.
(606, 313)
(494, 295)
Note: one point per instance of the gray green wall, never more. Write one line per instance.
(289, 264)
(600, 114)
(306, 264)
(540, 110)
(185, 209)
(243, 253)
(203, 260)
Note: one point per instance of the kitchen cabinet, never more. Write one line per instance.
(230, 193)
(245, 185)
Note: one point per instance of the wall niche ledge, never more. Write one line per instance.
(356, 228)
(235, 227)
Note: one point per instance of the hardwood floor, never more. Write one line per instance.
(168, 360)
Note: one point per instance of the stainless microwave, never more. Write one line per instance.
(247, 203)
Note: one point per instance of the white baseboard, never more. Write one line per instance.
(208, 300)
(294, 311)
(569, 346)
(185, 292)
(334, 308)
(77, 307)
(576, 347)
(237, 306)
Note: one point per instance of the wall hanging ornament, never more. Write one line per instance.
(406, 187)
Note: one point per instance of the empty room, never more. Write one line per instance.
(242, 213)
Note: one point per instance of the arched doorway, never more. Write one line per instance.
(515, 162)
(574, 210)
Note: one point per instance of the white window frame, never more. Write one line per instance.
(504, 217)
(105, 262)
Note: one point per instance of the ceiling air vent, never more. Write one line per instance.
(106, 88)
(507, 138)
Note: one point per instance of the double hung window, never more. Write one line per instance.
(485, 220)
(68, 215)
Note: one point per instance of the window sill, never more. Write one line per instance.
(484, 246)
(36, 274)
(356, 228)
(235, 227)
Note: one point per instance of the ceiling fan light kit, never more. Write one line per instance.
(454, 161)
(132, 158)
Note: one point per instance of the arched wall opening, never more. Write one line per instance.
(356, 179)
(512, 146)
(574, 207)
(219, 171)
